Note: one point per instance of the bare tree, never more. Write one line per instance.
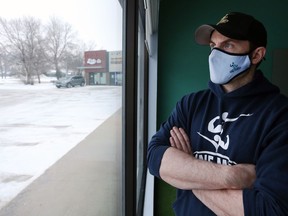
(23, 40)
(4, 62)
(60, 42)
(34, 49)
(74, 61)
(89, 46)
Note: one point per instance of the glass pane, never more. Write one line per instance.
(140, 118)
(61, 101)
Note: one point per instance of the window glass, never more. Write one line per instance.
(141, 116)
(60, 144)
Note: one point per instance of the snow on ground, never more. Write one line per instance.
(40, 123)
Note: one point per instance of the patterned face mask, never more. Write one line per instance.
(225, 66)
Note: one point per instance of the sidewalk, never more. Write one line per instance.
(84, 182)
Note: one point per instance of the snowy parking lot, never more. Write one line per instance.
(40, 123)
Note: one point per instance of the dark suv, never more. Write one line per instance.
(70, 81)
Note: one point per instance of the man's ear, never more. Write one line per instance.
(258, 55)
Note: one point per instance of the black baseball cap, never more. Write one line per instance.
(234, 25)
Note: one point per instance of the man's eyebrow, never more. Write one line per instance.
(225, 41)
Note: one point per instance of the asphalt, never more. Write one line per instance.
(84, 182)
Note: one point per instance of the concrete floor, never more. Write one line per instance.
(84, 182)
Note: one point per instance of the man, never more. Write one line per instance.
(225, 149)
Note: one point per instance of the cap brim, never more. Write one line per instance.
(203, 34)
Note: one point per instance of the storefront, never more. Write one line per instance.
(96, 67)
(115, 67)
(98, 78)
(102, 67)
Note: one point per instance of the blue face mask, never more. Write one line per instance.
(225, 66)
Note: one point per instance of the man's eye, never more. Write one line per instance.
(227, 46)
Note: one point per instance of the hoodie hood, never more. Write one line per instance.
(258, 86)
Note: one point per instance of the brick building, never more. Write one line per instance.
(102, 68)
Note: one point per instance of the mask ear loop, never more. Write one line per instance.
(250, 54)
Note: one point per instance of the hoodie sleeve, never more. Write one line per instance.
(160, 141)
(269, 195)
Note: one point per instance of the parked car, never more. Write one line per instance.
(70, 81)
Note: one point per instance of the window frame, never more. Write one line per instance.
(129, 115)
(132, 9)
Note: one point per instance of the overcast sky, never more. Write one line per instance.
(94, 20)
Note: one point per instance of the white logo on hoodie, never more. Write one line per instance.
(218, 130)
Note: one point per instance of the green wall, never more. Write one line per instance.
(183, 65)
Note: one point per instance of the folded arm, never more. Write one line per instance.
(222, 202)
(219, 187)
(182, 170)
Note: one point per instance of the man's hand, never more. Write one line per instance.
(180, 140)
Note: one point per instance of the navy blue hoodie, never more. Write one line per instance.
(248, 125)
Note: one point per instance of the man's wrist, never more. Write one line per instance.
(230, 178)
(239, 176)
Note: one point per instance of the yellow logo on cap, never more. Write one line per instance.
(223, 20)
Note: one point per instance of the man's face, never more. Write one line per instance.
(227, 44)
